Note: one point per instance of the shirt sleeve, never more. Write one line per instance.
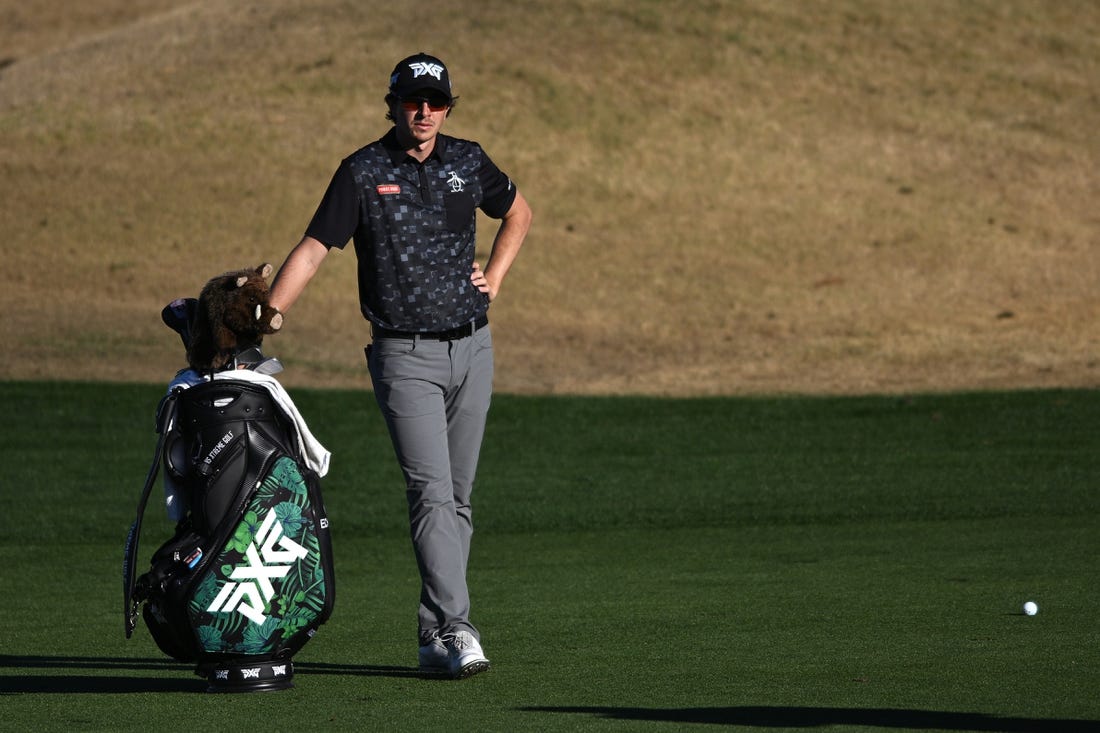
(497, 189)
(337, 215)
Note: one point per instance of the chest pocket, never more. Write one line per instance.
(460, 210)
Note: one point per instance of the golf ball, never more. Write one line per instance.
(1030, 608)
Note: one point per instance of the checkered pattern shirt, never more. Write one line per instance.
(414, 228)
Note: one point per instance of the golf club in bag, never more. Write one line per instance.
(247, 577)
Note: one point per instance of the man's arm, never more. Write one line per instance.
(513, 230)
(299, 268)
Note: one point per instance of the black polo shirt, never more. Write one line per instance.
(413, 225)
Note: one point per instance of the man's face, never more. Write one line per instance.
(419, 118)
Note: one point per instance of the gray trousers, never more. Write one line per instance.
(435, 396)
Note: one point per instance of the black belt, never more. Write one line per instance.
(450, 335)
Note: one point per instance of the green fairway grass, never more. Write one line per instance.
(639, 564)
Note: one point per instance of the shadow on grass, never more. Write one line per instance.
(361, 670)
(816, 717)
(103, 674)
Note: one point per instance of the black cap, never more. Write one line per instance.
(420, 73)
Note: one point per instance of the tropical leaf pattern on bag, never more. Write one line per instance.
(268, 582)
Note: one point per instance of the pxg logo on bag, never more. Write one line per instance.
(270, 556)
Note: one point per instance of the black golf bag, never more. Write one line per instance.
(247, 578)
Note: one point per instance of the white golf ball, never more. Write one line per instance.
(1030, 608)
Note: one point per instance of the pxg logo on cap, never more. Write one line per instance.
(420, 73)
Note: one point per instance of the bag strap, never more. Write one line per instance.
(166, 415)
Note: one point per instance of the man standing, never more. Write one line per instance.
(409, 201)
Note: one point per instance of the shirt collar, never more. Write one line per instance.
(398, 155)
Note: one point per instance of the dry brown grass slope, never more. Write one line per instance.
(731, 197)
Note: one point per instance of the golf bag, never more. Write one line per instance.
(247, 577)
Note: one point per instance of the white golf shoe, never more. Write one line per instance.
(467, 658)
(435, 658)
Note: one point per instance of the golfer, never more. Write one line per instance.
(408, 201)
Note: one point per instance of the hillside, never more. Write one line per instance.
(730, 197)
